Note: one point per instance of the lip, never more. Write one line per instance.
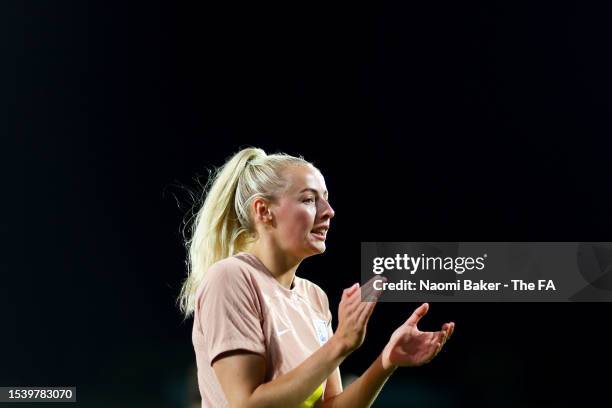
(320, 237)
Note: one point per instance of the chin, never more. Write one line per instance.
(319, 249)
(310, 248)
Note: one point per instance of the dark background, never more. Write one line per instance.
(432, 121)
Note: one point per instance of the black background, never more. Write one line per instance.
(433, 121)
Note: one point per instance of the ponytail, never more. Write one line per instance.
(223, 225)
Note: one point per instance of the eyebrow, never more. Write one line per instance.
(325, 194)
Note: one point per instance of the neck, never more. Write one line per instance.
(282, 266)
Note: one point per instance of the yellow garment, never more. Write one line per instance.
(314, 397)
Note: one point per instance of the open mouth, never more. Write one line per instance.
(320, 233)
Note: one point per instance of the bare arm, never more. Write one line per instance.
(408, 347)
(241, 374)
(363, 391)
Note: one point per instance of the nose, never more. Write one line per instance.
(327, 212)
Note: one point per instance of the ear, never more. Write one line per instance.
(262, 211)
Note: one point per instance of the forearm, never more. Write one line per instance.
(363, 391)
(294, 387)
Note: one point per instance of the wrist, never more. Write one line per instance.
(337, 347)
(387, 366)
(385, 361)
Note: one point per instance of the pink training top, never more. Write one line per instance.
(240, 305)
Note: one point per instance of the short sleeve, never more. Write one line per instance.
(230, 312)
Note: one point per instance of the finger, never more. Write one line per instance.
(354, 306)
(366, 290)
(354, 298)
(375, 291)
(434, 350)
(436, 339)
(443, 333)
(365, 313)
(439, 339)
(346, 293)
(370, 283)
(365, 294)
(418, 314)
(373, 296)
(356, 310)
(442, 337)
(348, 298)
(360, 293)
(369, 293)
(439, 349)
(363, 310)
(447, 327)
(452, 329)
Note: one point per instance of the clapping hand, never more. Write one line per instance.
(410, 347)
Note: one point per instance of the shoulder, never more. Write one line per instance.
(229, 272)
(229, 282)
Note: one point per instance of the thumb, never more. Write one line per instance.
(418, 314)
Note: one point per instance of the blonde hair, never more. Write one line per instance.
(223, 225)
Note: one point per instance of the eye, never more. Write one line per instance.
(308, 200)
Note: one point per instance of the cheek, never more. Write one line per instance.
(297, 221)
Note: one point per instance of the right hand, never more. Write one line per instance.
(353, 314)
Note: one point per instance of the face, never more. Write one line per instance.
(302, 214)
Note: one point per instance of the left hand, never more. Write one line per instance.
(410, 347)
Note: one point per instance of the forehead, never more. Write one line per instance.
(301, 177)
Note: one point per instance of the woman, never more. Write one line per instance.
(262, 335)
